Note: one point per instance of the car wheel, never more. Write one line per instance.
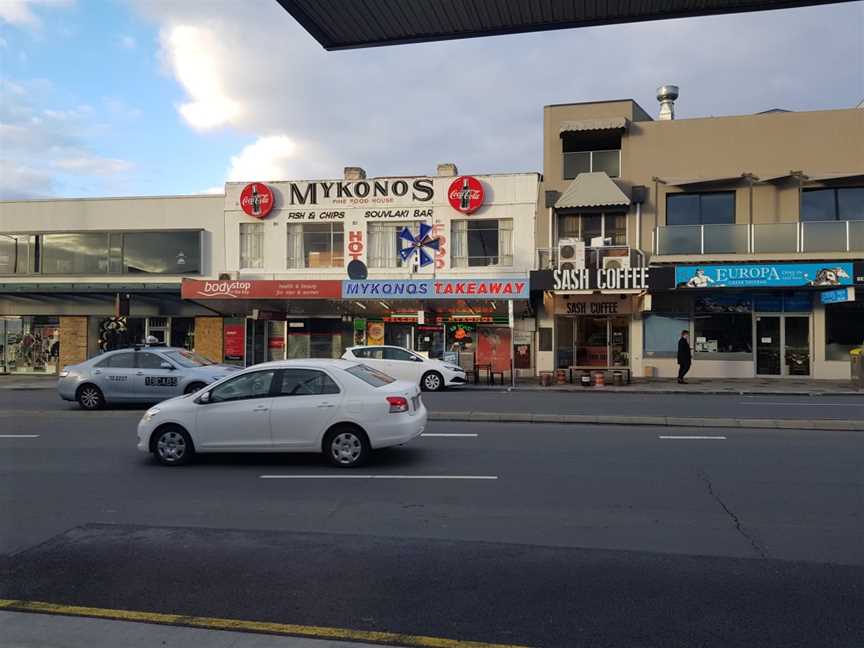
(90, 397)
(173, 446)
(432, 381)
(346, 447)
(191, 388)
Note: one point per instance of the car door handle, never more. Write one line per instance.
(260, 408)
(326, 405)
(97, 371)
(140, 373)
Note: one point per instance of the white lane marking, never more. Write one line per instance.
(378, 476)
(797, 404)
(19, 436)
(721, 438)
(449, 434)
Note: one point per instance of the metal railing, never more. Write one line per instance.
(813, 236)
(547, 258)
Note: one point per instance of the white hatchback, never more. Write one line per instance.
(430, 374)
(343, 409)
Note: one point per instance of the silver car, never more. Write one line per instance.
(138, 375)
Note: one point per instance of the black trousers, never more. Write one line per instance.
(682, 370)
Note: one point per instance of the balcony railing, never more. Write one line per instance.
(547, 259)
(816, 236)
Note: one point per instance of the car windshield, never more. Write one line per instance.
(370, 376)
(188, 359)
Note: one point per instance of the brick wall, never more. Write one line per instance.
(208, 337)
(73, 340)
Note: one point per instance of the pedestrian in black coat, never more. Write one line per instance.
(684, 356)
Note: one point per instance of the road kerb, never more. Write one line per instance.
(662, 421)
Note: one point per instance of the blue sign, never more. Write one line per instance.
(418, 244)
(837, 296)
(764, 275)
(485, 289)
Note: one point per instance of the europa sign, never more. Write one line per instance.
(465, 194)
(256, 199)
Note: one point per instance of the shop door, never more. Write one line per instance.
(767, 345)
(796, 345)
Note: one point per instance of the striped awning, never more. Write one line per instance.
(590, 190)
(607, 123)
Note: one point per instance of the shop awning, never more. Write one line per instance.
(834, 176)
(683, 182)
(592, 190)
(582, 125)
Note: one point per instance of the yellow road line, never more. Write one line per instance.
(213, 623)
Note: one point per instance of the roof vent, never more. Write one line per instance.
(667, 95)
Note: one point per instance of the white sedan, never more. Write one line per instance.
(430, 374)
(343, 409)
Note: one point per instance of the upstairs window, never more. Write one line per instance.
(840, 203)
(251, 245)
(591, 152)
(712, 208)
(316, 245)
(482, 243)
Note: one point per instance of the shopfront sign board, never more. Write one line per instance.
(485, 289)
(837, 296)
(197, 289)
(589, 279)
(765, 275)
(594, 305)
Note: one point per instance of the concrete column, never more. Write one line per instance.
(73, 341)
(208, 337)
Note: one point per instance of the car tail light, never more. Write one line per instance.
(397, 404)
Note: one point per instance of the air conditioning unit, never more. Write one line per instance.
(616, 262)
(571, 254)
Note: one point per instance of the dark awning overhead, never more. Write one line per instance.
(338, 24)
(683, 182)
(823, 177)
(605, 124)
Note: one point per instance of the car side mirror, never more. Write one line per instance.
(204, 398)
(166, 365)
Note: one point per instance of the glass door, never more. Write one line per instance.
(767, 345)
(796, 345)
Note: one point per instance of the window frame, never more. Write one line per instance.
(603, 217)
(115, 253)
(730, 192)
(259, 233)
(290, 262)
(835, 193)
(590, 153)
(105, 363)
(456, 261)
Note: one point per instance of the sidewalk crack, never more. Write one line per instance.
(751, 539)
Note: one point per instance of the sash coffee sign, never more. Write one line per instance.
(611, 279)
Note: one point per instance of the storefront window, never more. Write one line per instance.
(723, 333)
(316, 245)
(75, 253)
(482, 243)
(30, 344)
(161, 252)
(592, 341)
(844, 329)
(251, 245)
(662, 332)
(384, 244)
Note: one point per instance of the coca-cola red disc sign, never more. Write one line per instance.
(256, 199)
(465, 194)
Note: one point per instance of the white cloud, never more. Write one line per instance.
(479, 102)
(20, 182)
(127, 42)
(193, 54)
(213, 190)
(92, 165)
(20, 12)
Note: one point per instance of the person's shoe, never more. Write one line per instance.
(683, 382)
(680, 382)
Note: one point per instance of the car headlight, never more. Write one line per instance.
(453, 367)
(64, 373)
(149, 414)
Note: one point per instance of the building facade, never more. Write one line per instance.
(438, 264)
(750, 228)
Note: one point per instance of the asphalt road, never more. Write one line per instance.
(588, 402)
(574, 536)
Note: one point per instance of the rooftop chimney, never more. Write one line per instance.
(667, 95)
(355, 173)
(447, 169)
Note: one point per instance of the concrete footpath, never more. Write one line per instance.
(742, 386)
(25, 630)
